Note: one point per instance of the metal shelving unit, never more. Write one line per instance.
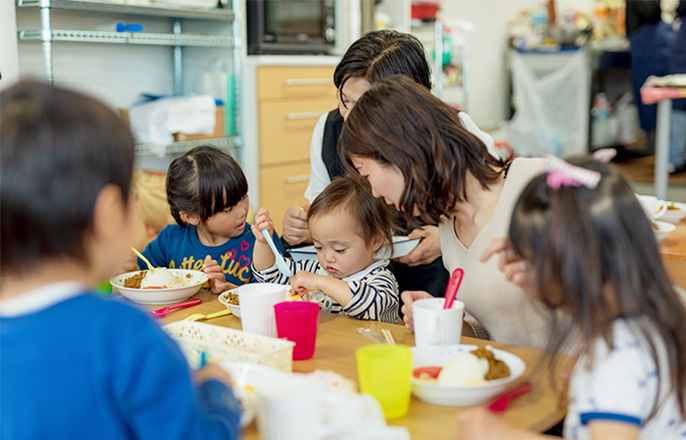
(176, 40)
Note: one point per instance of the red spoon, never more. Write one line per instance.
(453, 286)
(500, 404)
(164, 311)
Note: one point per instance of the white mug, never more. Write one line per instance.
(434, 325)
(649, 205)
(297, 409)
(257, 307)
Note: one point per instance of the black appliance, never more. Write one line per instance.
(291, 26)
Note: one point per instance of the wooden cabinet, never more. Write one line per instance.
(290, 100)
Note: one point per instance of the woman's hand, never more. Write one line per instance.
(410, 296)
(295, 228)
(479, 424)
(515, 269)
(428, 249)
(216, 277)
(262, 222)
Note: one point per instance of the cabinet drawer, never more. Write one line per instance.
(281, 187)
(295, 82)
(285, 128)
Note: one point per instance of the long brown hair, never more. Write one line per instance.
(373, 218)
(398, 122)
(582, 243)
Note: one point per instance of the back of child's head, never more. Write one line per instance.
(58, 150)
(204, 181)
(372, 217)
(382, 53)
(595, 256)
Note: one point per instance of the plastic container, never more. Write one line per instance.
(222, 344)
(385, 372)
(297, 321)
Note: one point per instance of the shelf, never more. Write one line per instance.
(142, 38)
(226, 143)
(113, 8)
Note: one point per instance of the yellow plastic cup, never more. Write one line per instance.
(385, 371)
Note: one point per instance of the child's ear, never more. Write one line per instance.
(191, 219)
(377, 243)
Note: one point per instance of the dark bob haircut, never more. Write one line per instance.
(398, 122)
(383, 53)
(582, 243)
(373, 218)
(58, 150)
(204, 181)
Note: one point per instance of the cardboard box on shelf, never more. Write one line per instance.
(219, 127)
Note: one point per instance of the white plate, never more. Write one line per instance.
(401, 247)
(663, 230)
(161, 296)
(455, 395)
(673, 215)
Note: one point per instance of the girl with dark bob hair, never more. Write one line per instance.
(375, 56)
(88, 366)
(591, 253)
(417, 155)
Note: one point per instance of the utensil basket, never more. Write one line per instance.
(222, 344)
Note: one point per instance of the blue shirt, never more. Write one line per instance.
(178, 247)
(87, 367)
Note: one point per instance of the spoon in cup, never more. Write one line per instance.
(453, 286)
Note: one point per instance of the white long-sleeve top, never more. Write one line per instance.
(319, 176)
(374, 289)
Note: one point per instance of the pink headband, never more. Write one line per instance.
(562, 173)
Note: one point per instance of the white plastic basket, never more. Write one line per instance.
(222, 344)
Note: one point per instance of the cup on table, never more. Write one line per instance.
(257, 302)
(650, 206)
(385, 371)
(297, 409)
(434, 325)
(297, 321)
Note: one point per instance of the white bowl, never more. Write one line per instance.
(663, 230)
(401, 247)
(161, 296)
(456, 395)
(674, 215)
(235, 308)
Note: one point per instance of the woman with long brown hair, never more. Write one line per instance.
(417, 156)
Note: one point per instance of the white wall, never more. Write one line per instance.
(488, 45)
(8, 44)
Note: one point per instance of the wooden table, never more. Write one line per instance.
(338, 339)
(673, 250)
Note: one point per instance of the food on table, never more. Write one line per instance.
(159, 278)
(466, 368)
(232, 298)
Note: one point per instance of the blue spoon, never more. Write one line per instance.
(280, 262)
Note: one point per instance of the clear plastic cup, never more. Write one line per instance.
(297, 321)
(385, 372)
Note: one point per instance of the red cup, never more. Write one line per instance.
(297, 322)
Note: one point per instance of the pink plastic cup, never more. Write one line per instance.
(297, 322)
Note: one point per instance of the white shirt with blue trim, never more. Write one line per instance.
(620, 385)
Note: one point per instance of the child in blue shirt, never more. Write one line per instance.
(73, 364)
(208, 196)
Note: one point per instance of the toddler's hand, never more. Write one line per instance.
(305, 282)
(212, 372)
(262, 221)
(410, 296)
(130, 264)
(216, 276)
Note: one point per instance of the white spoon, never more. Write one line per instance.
(280, 262)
